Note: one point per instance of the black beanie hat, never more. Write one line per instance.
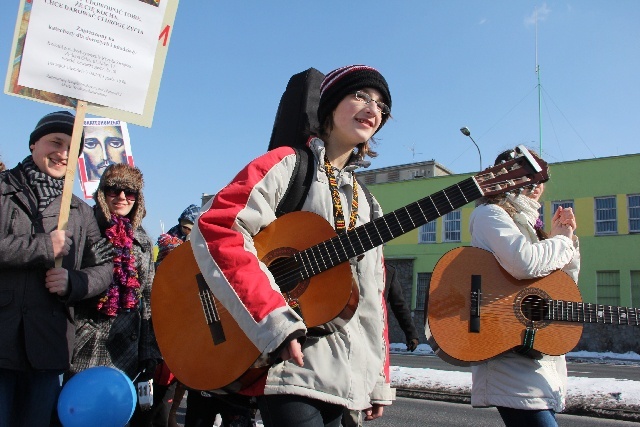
(58, 122)
(347, 80)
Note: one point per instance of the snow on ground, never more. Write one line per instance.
(603, 392)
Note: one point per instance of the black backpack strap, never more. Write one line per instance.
(367, 194)
(299, 184)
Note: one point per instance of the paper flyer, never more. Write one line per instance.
(108, 53)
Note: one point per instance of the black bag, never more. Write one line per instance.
(297, 114)
(296, 118)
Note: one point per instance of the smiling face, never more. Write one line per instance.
(354, 121)
(118, 202)
(50, 154)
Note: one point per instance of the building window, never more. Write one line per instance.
(451, 226)
(635, 288)
(606, 215)
(427, 233)
(563, 203)
(424, 279)
(393, 175)
(608, 287)
(370, 179)
(634, 213)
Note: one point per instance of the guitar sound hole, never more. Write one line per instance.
(286, 273)
(533, 308)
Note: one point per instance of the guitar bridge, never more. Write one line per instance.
(474, 309)
(210, 311)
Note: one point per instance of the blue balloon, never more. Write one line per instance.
(99, 396)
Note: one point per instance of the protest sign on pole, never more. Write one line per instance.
(99, 57)
(108, 53)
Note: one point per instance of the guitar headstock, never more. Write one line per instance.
(524, 169)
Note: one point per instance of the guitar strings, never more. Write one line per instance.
(561, 310)
(290, 271)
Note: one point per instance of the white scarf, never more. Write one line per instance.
(526, 213)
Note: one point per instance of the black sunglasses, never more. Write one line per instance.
(130, 195)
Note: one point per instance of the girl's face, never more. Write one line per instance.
(536, 193)
(119, 200)
(354, 121)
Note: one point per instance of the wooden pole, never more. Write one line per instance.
(72, 165)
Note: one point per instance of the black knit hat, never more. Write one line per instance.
(58, 122)
(347, 80)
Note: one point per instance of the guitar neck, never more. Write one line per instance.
(345, 246)
(570, 311)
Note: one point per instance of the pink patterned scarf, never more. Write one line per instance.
(124, 292)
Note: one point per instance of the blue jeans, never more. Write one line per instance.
(528, 418)
(296, 411)
(27, 398)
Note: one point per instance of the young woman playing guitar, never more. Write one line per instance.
(314, 377)
(527, 389)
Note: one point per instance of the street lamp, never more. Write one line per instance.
(466, 132)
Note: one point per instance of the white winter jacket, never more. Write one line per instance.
(348, 367)
(513, 380)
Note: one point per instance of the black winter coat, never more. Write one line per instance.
(35, 326)
(395, 298)
(125, 340)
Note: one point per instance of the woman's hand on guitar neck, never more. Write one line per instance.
(293, 352)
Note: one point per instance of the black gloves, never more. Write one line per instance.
(146, 369)
(412, 344)
(99, 253)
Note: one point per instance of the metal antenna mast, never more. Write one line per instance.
(539, 87)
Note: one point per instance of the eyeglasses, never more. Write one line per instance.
(130, 195)
(366, 98)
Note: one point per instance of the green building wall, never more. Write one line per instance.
(580, 181)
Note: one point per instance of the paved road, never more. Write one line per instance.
(576, 369)
(408, 412)
(416, 412)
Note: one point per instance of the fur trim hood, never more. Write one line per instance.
(120, 175)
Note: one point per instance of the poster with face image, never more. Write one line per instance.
(106, 142)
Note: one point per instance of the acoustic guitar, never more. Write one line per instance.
(476, 310)
(204, 346)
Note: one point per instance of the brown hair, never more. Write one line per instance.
(502, 200)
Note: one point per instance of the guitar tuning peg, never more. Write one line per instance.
(504, 157)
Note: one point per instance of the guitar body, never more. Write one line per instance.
(505, 313)
(207, 350)
(202, 344)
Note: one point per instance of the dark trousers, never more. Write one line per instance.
(526, 418)
(202, 408)
(158, 414)
(297, 411)
(28, 398)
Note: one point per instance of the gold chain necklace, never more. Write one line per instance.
(338, 213)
